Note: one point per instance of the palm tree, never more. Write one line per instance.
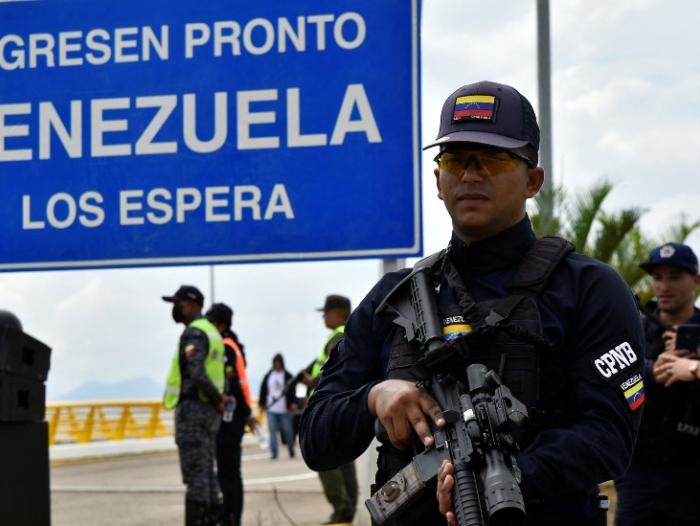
(614, 238)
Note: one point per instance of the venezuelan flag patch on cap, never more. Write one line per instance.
(474, 107)
(633, 390)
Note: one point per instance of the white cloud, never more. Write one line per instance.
(626, 102)
(603, 99)
(618, 143)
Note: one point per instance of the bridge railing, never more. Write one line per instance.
(82, 422)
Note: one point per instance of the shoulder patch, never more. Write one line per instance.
(633, 389)
(612, 364)
(189, 351)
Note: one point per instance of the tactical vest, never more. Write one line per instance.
(670, 427)
(323, 355)
(512, 342)
(213, 365)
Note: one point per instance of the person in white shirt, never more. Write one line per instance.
(279, 404)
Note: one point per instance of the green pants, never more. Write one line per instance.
(340, 488)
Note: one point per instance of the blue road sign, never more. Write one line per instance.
(157, 132)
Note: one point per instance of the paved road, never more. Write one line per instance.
(147, 490)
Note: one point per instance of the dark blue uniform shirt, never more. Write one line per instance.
(587, 311)
(661, 484)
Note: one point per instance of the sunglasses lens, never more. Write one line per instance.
(488, 162)
(496, 162)
(452, 164)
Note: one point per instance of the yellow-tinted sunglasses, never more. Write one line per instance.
(489, 162)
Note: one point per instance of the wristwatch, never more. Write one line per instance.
(693, 368)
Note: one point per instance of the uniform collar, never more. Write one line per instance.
(499, 252)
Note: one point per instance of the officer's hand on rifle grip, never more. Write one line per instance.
(403, 408)
(445, 484)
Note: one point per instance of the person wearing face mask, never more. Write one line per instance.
(194, 388)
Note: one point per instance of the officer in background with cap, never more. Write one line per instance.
(563, 314)
(340, 483)
(660, 487)
(194, 388)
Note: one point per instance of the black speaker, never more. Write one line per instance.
(22, 355)
(24, 480)
(21, 399)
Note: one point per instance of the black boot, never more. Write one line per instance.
(195, 513)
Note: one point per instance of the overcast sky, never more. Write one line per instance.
(626, 104)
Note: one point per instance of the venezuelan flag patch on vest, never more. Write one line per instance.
(453, 327)
(474, 107)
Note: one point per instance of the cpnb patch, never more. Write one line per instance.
(633, 389)
(616, 360)
(474, 108)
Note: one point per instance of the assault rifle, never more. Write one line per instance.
(478, 431)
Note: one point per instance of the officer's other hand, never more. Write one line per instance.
(445, 483)
(403, 408)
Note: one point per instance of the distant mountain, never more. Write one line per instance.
(135, 388)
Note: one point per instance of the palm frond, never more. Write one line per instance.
(679, 231)
(614, 228)
(584, 213)
(616, 238)
(633, 249)
(546, 212)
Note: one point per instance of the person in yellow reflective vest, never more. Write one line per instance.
(339, 484)
(228, 440)
(194, 388)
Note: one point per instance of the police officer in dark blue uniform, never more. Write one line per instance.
(571, 341)
(661, 486)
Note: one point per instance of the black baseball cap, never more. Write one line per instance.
(186, 292)
(674, 255)
(220, 313)
(335, 301)
(488, 113)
